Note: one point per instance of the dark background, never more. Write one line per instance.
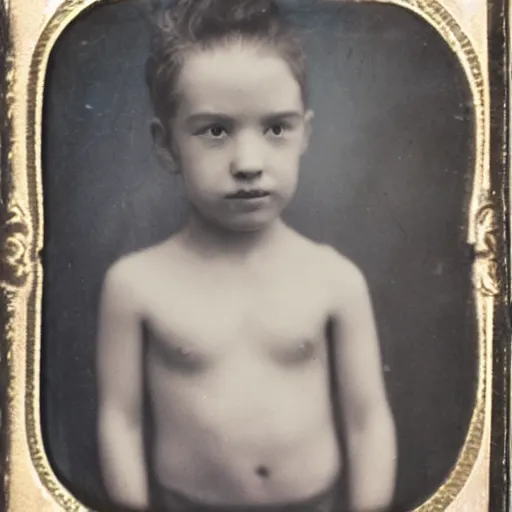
(387, 181)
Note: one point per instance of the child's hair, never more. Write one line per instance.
(188, 25)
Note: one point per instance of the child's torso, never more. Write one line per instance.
(237, 375)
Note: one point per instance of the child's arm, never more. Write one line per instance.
(369, 426)
(120, 394)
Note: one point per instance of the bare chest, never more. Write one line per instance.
(197, 328)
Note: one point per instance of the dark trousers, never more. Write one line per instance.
(169, 500)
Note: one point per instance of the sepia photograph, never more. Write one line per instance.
(257, 290)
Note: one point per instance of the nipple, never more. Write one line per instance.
(184, 352)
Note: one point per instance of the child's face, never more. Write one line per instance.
(238, 134)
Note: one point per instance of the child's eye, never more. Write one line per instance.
(277, 130)
(215, 131)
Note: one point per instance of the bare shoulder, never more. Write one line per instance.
(342, 269)
(342, 277)
(330, 263)
(342, 283)
(118, 285)
(129, 275)
(336, 274)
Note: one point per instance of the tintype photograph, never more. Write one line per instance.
(258, 285)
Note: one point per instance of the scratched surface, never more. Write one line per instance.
(386, 181)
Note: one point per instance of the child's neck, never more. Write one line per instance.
(209, 239)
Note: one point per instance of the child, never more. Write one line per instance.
(245, 341)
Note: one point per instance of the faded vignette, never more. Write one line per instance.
(34, 25)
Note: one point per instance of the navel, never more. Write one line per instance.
(263, 471)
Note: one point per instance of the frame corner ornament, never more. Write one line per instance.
(15, 257)
(486, 273)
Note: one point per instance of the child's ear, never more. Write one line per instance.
(162, 143)
(308, 117)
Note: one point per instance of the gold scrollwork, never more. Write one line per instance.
(486, 267)
(15, 258)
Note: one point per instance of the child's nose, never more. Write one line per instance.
(247, 163)
(247, 175)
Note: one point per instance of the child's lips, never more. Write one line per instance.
(248, 194)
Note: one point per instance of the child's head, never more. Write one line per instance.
(188, 26)
(227, 81)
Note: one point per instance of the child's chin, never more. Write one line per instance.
(249, 225)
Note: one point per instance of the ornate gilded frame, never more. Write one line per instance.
(29, 31)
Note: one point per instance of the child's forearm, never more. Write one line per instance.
(372, 463)
(123, 462)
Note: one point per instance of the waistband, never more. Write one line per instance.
(164, 499)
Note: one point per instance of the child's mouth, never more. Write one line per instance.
(248, 194)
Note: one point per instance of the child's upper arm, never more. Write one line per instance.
(357, 350)
(119, 344)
